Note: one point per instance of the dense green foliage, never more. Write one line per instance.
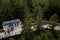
(32, 12)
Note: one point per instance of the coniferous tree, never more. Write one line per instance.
(53, 21)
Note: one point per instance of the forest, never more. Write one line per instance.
(29, 12)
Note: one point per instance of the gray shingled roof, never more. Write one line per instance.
(11, 22)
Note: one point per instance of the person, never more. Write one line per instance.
(8, 31)
(5, 32)
(12, 27)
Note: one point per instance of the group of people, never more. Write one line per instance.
(11, 27)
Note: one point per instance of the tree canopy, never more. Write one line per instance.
(32, 12)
